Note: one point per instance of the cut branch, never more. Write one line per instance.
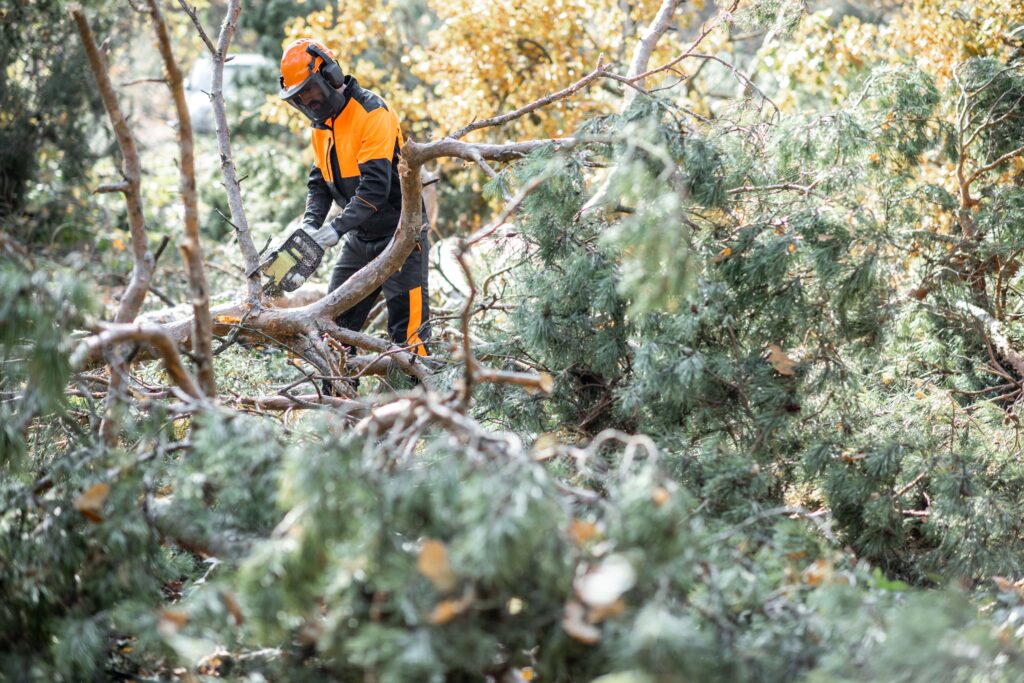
(147, 333)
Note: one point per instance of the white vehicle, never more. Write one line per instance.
(247, 79)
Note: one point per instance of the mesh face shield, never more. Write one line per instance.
(314, 98)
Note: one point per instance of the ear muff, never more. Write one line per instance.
(329, 69)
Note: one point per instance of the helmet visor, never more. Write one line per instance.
(313, 97)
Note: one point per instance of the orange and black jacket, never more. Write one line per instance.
(355, 163)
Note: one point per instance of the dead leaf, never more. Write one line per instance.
(232, 606)
(581, 531)
(578, 629)
(605, 583)
(817, 573)
(598, 614)
(446, 610)
(90, 503)
(171, 621)
(433, 564)
(782, 363)
(660, 495)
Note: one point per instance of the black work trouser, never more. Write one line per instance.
(405, 291)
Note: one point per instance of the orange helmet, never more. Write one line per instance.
(311, 80)
(301, 59)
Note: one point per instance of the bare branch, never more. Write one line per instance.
(227, 164)
(154, 335)
(998, 162)
(598, 71)
(131, 170)
(193, 15)
(644, 49)
(721, 17)
(202, 343)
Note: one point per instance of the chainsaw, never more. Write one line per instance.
(288, 264)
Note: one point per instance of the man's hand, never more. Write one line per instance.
(325, 236)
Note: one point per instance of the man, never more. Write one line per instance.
(356, 144)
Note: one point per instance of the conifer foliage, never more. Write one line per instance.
(782, 441)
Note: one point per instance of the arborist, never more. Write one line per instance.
(356, 143)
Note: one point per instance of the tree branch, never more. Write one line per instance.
(227, 164)
(202, 342)
(131, 171)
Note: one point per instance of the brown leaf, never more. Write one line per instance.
(171, 621)
(598, 614)
(433, 564)
(446, 610)
(581, 531)
(231, 604)
(782, 363)
(576, 626)
(817, 573)
(660, 495)
(90, 502)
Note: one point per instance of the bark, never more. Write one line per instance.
(202, 342)
(155, 336)
(645, 48)
(131, 172)
(227, 165)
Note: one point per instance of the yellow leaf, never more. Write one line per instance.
(581, 531)
(782, 363)
(117, 244)
(433, 564)
(90, 502)
(574, 624)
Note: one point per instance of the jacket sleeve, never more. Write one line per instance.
(376, 152)
(318, 200)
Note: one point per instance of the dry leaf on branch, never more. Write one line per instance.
(90, 502)
(782, 363)
(446, 610)
(433, 564)
(581, 531)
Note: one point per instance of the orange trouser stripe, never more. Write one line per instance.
(415, 321)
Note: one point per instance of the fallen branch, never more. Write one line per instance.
(154, 335)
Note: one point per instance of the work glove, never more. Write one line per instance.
(325, 236)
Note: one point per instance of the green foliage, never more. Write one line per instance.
(50, 111)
